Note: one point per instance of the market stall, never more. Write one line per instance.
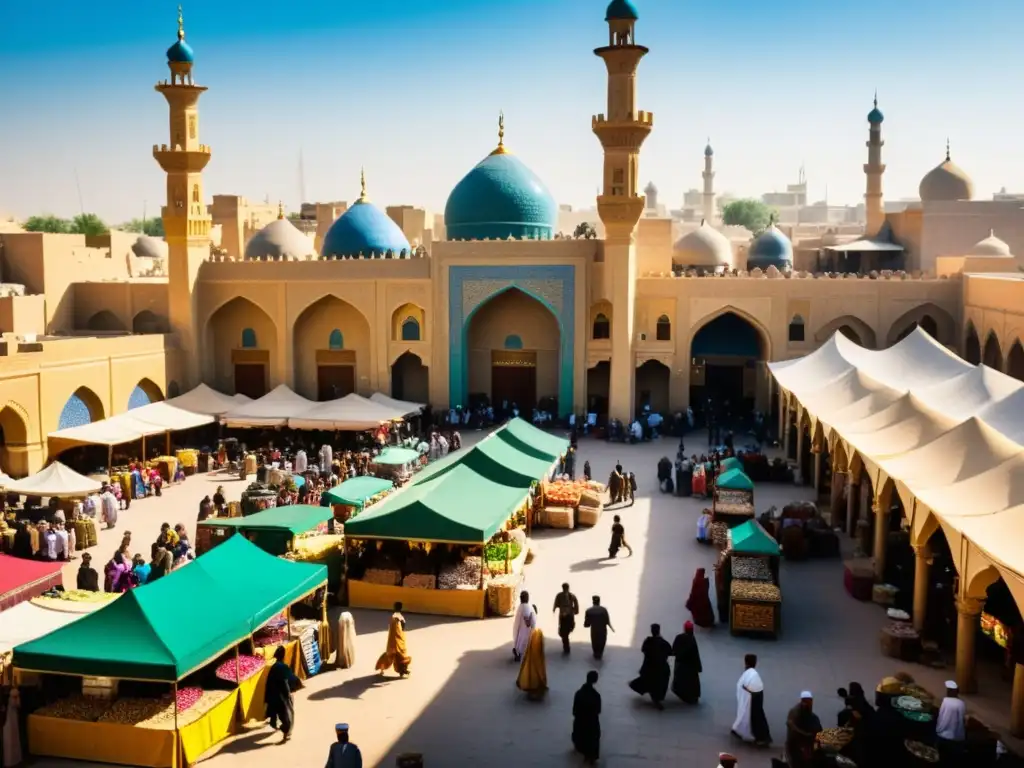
(55, 480)
(351, 413)
(730, 462)
(751, 570)
(139, 686)
(352, 496)
(732, 501)
(22, 579)
(274, 409)
(404, 407)
(396, 464)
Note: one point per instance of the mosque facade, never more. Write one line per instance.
(490, 303)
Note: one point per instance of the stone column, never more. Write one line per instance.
(782, 413)
(817, 472)
(1017, 704)
(922, 570)
(784, 434)
(801, 468)
(881, 539)
(840, 481)
(968, 611)
(851, 503)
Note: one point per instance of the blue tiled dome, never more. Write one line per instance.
(498, 199)
(621, 9)
(365, 229)
(875, 116)
(770, 248)
(181, 53)
(708, 151)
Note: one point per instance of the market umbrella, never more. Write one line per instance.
(734, 480)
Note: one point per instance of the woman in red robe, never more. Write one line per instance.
(699, 602)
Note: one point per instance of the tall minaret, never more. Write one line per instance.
(186, 221)
(708, 198)
(621, 131)
(874, 208)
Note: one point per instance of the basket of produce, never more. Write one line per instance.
(383, 576)
(86, 708)
(190, 707)
(751, 569)
(564, 493)
(559, 517)
(501, 595)
(133, 711)
(834, 739)
(899, 640)
(242, 668)
(734, 509)
(589, 498)
(733, 498)
(884, 594)
(922, 752)
(755, 591)
(420, 581)
(465, 575)
(719, 534)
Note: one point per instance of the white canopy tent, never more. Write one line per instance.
(349, 413)
(55, 480)
(206, 400)
(26, 621)
(406, 407)
(274, 409)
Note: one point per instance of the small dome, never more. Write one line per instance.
(621, 10)
(990, 247)
(650, 189)
(708, 151)
(500, 198)
(703, 247)
(181, 53)
(875, 116)
(280, 239)
(946, 181)
(147, 247)
(770, 248)
(365, 229)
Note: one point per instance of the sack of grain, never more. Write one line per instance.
(597, 487)
(559, 517)
(420, 581)
(590, 498)
(590, 515)
(383, 577)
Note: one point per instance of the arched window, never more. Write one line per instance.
(602, 328)
(138, 398)
(173, 389)
(513, 342)
(663, 330)
(411, 329)
(76, 413)
(796, 328)
(195, 193)
(248, 338)
(337, 341)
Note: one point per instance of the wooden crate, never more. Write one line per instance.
(755, 617)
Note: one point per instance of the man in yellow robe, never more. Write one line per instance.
(396, 654)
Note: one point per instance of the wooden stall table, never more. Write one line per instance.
(859, 578)
(101, 742)
(468, 603)
(755, 607)
(900, 641)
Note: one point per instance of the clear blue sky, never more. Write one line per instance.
(411, 90)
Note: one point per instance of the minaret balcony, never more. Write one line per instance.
(635, 118)
(177, 160)
(869, 168)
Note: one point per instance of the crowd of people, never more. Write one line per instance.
(125, 570)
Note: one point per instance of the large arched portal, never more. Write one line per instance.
(512, 346)
(13, 439)
(652, 386)
(1015, 361)
(726, 355)
(993, 355)
(410, 379)
(972, 346)
(599, 379)
(241, 348)
(332, 350)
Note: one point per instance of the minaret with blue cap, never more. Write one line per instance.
(708, 197)
(621, 130)
(187, 222)
(874, 206)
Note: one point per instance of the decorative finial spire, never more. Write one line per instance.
(501, 150)
(362, 185)
(181, 24)
(280, 210)
(947, 149)
(876, 97)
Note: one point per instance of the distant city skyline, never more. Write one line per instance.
(411, 91)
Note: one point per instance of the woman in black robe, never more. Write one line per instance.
(586, 720)
(686, 681)
(281, 681)
(655, 672)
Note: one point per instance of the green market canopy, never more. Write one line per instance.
(228, 593)
(731, 463)
(536, 442)
(273, 528)
(357, 491)
(397, 456)
(751, 538)
(734, 480)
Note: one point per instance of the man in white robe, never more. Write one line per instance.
(524, 623)
(751, 724)
(108, 505)
(301, 461)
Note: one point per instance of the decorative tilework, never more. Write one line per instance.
(469, 288)
(75, 413)
(138, 398)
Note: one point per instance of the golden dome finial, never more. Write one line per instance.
(181, 24)
(501, 150)
(280, 210)
(362, 186)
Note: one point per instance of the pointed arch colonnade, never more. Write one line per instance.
(918, 428)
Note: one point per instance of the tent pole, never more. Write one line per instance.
(175, 707)
(143, 448)
(110, 463)
(483, 564)
(168, 453)
(238, 673)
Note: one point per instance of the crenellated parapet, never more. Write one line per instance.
(641, 116)
(772, 273)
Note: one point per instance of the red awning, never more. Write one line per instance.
(22, 579)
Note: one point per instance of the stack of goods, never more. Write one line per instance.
(256, 498)
(465, 575)
(834, 739)
(383, 576)
(166, 466)
(538, 508)
(192, 704)
(316, 548)
(559, 517)
(188, 459)
(6, 537)
(564, 493)
(900, 640)
(755, 606)
(420, 581)
(751, 569)
(274, 633)
(501, 592)
(719, 534)
(236, 670)
(134, 711)
(86, 533)
(501, 552)
(591, 504)
(87, 708)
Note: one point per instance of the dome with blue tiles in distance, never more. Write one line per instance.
(770, 248)
(500, 198)
(621, 9)
(181, 52)
(875, 116)
(365, 230)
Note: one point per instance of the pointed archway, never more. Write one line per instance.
(105, 321)
(1015, 361)
(331, 341)
(410, 379)
(13, 439)
(599, 379)
(992, 355)
(972, 346)
(241, 349)
(652, 386)
(145, 392)
(726, 353)
(83, 407)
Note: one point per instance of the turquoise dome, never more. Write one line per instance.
(621, 9)
(181, 53)
(365, 229)
(500, 198)
(770, 248)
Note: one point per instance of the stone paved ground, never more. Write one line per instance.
(460, 706)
